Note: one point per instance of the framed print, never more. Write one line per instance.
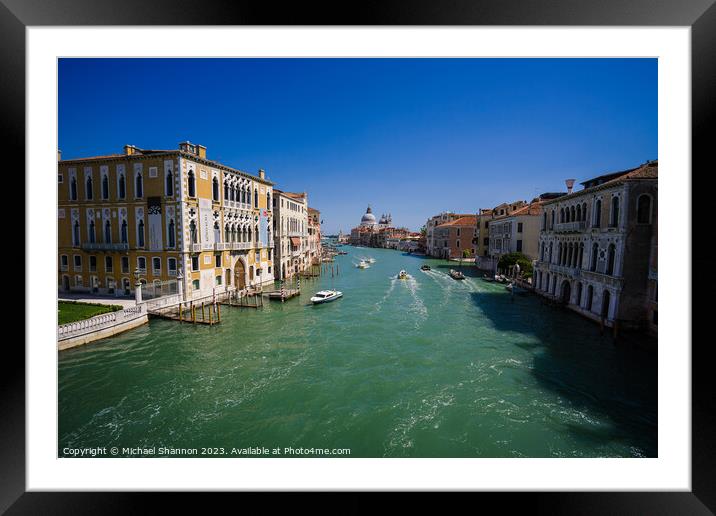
(416, 250)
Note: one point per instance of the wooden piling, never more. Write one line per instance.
(180, 313)
(203, 318)
(218, 313)
(193, 313)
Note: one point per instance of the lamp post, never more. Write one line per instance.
(137, 287)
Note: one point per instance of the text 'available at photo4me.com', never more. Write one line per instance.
(168, 451)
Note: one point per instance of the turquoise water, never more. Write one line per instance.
(429, 367)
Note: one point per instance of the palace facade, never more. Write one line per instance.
(291, 233)
(164, 216)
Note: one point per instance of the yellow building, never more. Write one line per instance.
(165, 214)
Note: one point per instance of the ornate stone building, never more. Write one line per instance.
(291, 233)
(597, 247)
(162, 214)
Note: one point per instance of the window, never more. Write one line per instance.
(88, 188)
(76, 234)
(195, 262)
(138, 185)
(73, 189)
(125, 264)
(121, 186)
(196, 285)
(105, 187)
(643, 209)
(256, 198)
(108, 264)
(611, 259)
(598, 213)
(218, 279)
(595, 253)
(169, 184)
(140, 234)
(191, 182)
(90, 232)
(268, 200)
(59, 179)
(519, 227)
(218, 260)
(215, 190)
(64, 262)
(78, 262)
(172, 266)
(615, 212)
(107, 232)
(142, 264)
(192, 231)
(124, 232)
(156, 265)
(519, 246)
(590, 297)
(172, 234)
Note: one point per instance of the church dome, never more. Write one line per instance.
(368, 219)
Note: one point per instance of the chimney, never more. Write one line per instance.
(262, 173)
(201, 151)
(59, 155)
(570, 184)
(129, 150)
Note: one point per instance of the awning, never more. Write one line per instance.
(295, 241)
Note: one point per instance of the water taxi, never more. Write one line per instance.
(425, 268)
(324, 296)
(363, 264)
(403, 275)
(371, 260)
(456, 274)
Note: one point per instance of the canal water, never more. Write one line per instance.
(428, 367)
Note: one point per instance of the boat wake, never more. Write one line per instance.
(378, 305)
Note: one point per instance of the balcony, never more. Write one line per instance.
(604, 279)
(222, 246)
(570, 227)
(104, 247)
(195, 248)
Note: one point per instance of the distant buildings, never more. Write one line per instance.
(314, 236)
(433, 244)
(381, 233)
(597, 248)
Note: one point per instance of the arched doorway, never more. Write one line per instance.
(605, 305)
(566, 292)
(239, 275)
(66, 283)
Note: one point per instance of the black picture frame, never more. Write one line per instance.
(700, 15)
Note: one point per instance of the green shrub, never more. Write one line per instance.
(508, 260)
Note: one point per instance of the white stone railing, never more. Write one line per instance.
(100, 322)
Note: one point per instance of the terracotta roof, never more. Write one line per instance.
(465, 220)
(649, 170)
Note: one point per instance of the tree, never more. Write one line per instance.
(508, 260)
(423, 231)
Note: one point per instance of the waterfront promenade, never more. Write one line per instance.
(430, 367)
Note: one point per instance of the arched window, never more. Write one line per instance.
(73, 189)
(579, 293)
(595, 255)
(140, 234)
(227, 234)
(598, 213)
(215, 189)
(169, 183)
(611, 257)
(579, 213)
(643, 209)
(227, 197)
(590, 297)
(191, 181)
(76, 233)
(268, 200)
(91, 232)
(105, 187)
(256, 198)
(121, 187)
(615, 212)
(138, 185)
(124, 232)
(571, 214)
(561, 215)
(107, 233)
(606, 297)
(192, 232)
(580, 259)
(88, 186)
(217, 232)
(584, 212)
(550, 251)
(544, 221)
(551, 225)
(172, 234)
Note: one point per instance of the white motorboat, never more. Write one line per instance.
(403, 275)
(457, 275)
(363, 264)
(324, 296)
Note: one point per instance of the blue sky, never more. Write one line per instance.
(412, 137)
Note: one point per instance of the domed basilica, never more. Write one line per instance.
(368, 220)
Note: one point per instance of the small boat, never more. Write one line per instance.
(456, 274)
(324, 296)
(363, 265)
(515, 289)
(342, 252)
(425, 268)
(403, 275)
